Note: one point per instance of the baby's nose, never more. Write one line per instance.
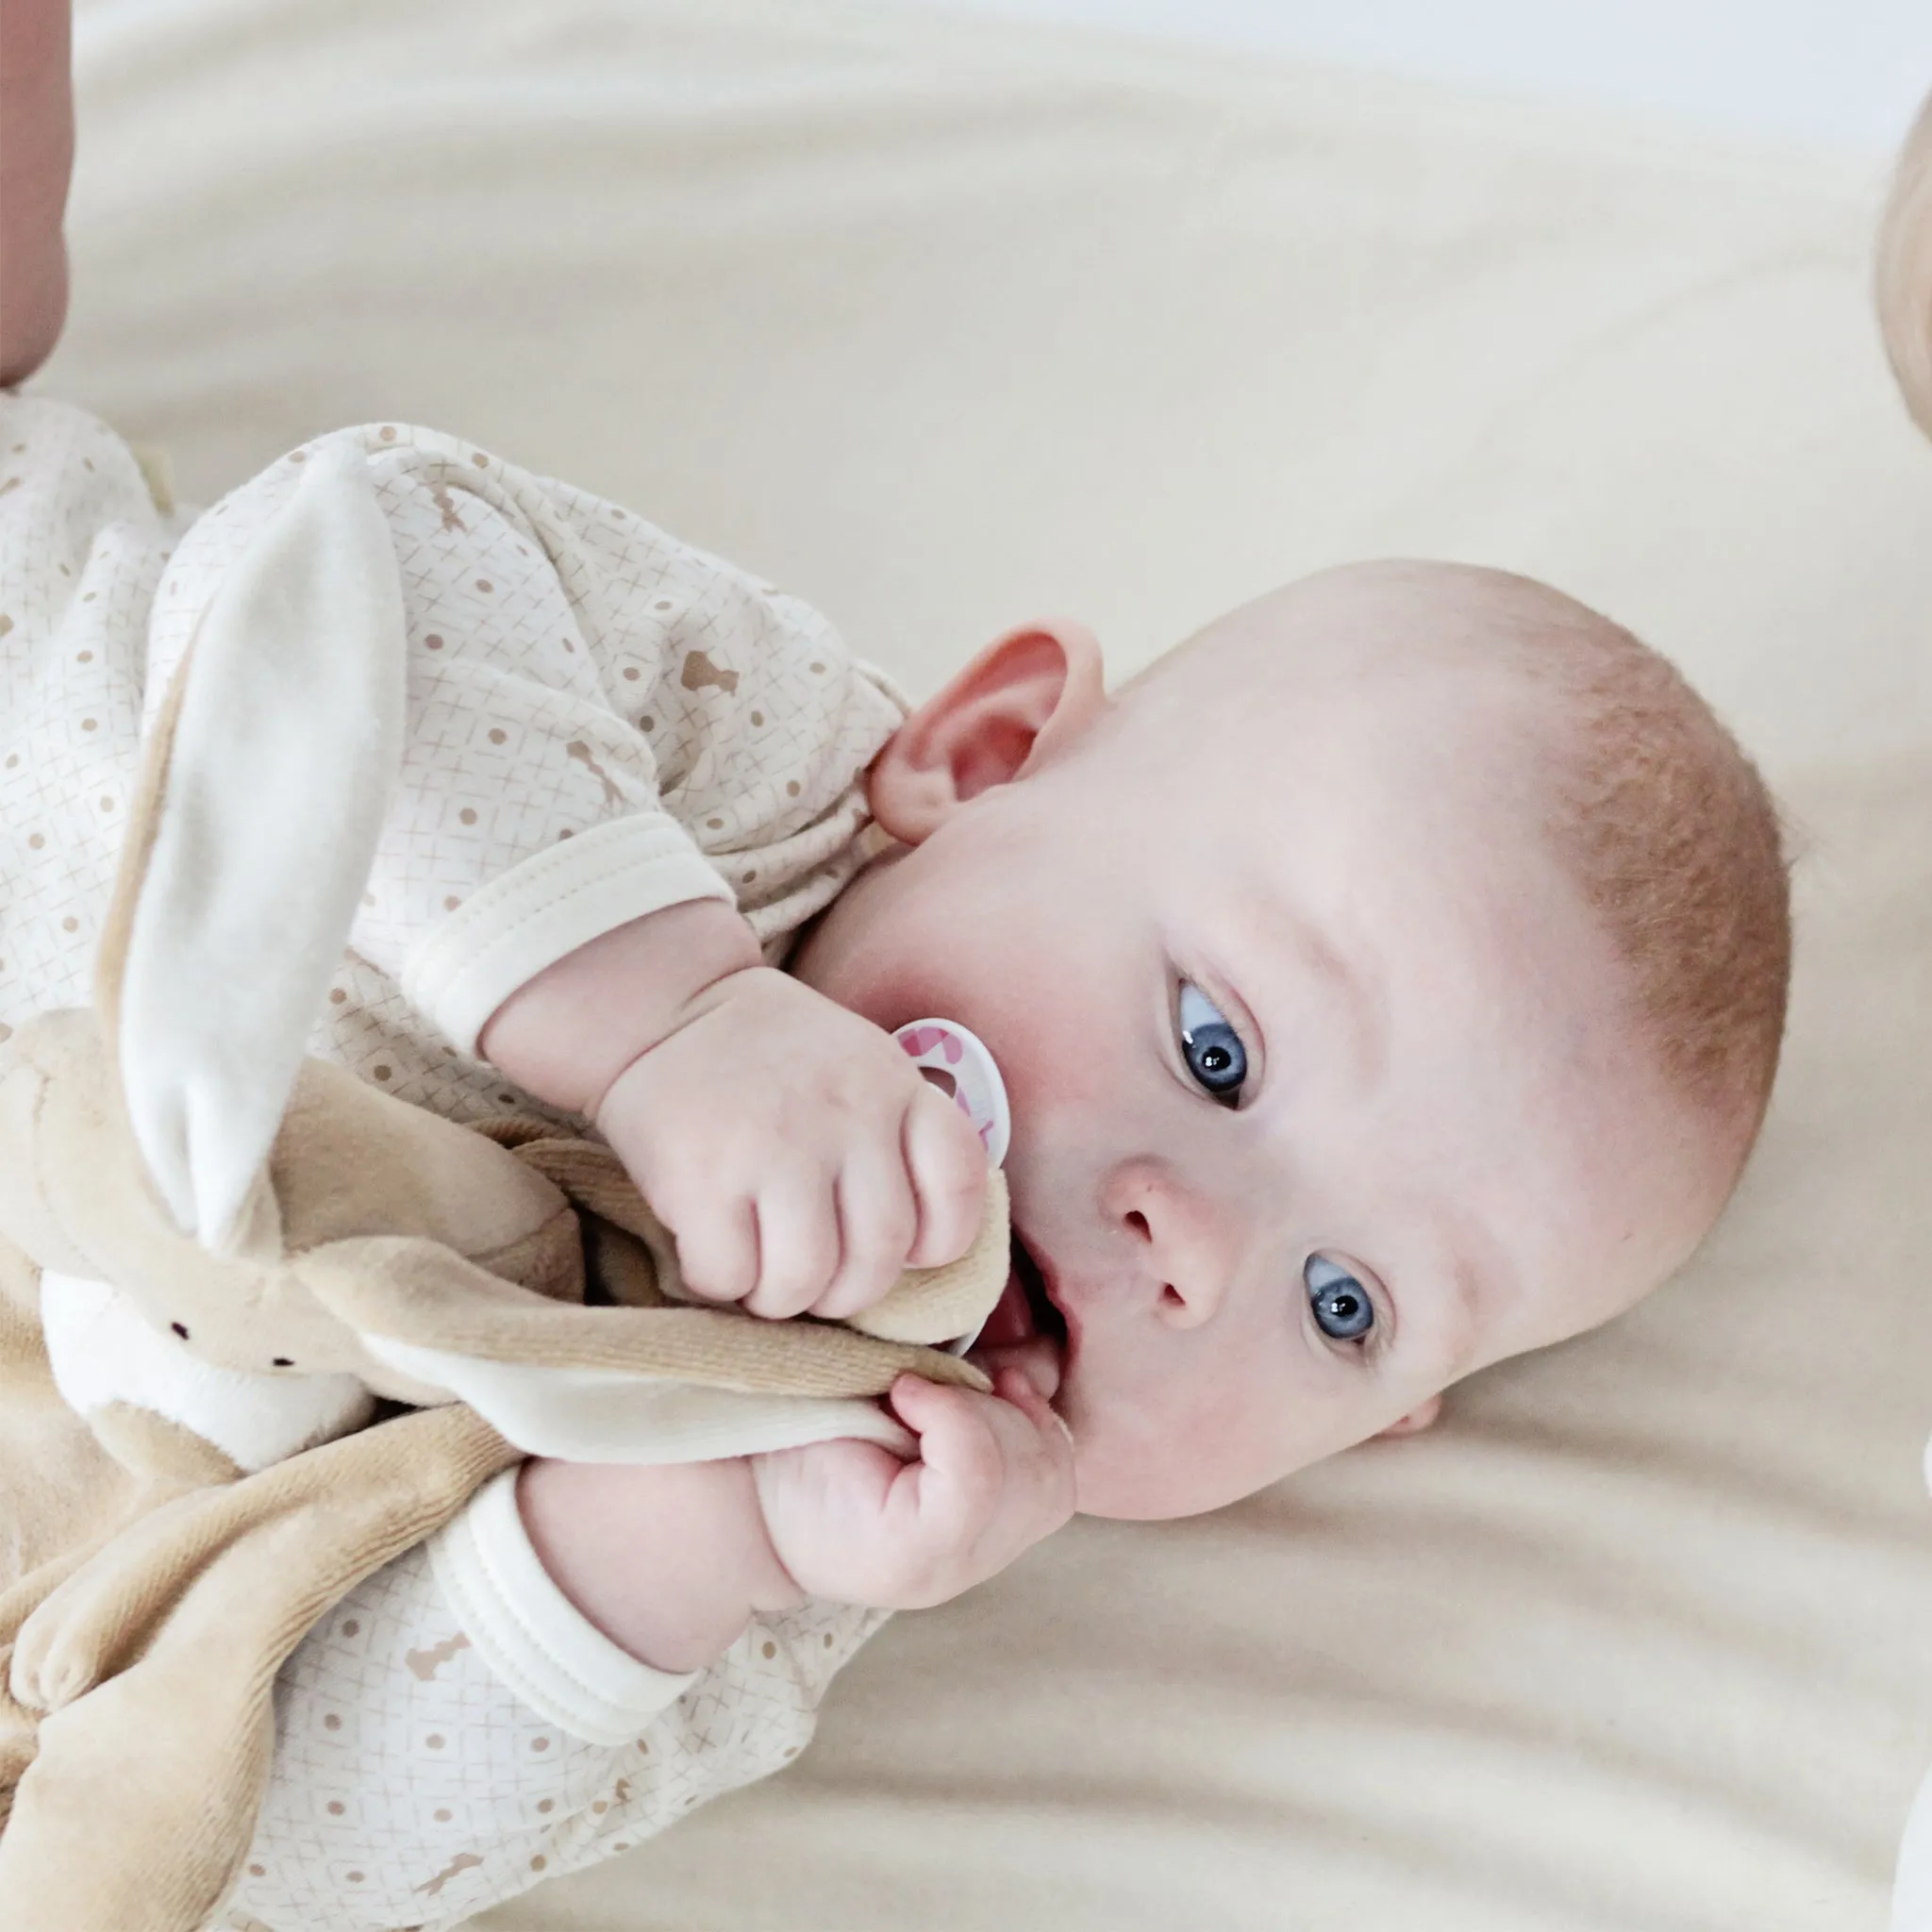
(1178, 1240)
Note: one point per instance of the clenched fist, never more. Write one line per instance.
(793, 1150)
(853, 1524)
(791, 1146)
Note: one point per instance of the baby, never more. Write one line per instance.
(1905, 316)
(1388, 982)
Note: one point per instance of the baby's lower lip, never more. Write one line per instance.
(1025, 1313)
(1011, 1319)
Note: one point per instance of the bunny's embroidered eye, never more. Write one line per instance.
(1211, 1046)
(1343, 1312)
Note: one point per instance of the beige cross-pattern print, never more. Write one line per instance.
(573, 675)
(412, 1789)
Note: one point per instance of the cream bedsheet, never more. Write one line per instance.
(946, 325)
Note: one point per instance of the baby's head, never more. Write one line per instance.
(1904, 271)
(1388, 982)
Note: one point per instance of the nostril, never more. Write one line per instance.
(1137, 1222)
(1171, 1297)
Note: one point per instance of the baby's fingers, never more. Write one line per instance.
(982, 1457)
(1016, 1388)
(717, 1247)
(947, 1166)
(798, 1243)
(959, 1458)
(878, 1218)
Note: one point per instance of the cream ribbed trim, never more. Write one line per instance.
(535, 1639)
(554, 901)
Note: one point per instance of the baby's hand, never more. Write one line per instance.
(793, 1150)
(854, 1524)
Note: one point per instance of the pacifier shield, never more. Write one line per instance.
(957, 1061)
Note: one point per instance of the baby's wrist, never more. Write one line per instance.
(670, 1562)
(566, 1035)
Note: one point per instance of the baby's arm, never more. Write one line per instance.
(671, 1563)
(627, 769)
(789, 1146)
(454, 1731)
(36, 159)
(416, 1780)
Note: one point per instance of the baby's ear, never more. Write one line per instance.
(1425, 1415)
(1022, 697)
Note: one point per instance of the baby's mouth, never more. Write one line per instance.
(1025, 1311)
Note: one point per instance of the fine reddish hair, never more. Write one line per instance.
(1904, 271)
(1657, 817)
(1674, 840)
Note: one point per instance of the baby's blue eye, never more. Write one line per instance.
(1343, 1312)
(1211, 1046)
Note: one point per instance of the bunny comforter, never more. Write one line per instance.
(297, 796)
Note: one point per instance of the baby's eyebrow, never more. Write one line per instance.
(1468, 1319)
(1481, 1280)
(1350, 975)
(1356, 977)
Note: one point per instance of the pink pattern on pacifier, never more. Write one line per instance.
(968, 1070)
(923, 1037)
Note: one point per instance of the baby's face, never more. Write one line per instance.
(1322, 1095)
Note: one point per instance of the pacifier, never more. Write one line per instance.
(958, 1063)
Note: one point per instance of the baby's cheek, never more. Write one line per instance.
(1176, 1430)
(1062, 1057)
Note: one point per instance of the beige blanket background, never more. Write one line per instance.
(946, 325)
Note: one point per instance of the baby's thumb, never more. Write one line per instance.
(1016, 1383)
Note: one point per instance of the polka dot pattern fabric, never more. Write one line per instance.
(571, 668)
(410, 1789)
(82, 548)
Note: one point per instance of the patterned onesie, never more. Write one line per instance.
(601, 722)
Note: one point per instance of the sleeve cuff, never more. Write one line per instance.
(552, 903)
(532, 1637)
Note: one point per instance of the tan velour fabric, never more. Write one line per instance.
(150, 1591)
(946, 325)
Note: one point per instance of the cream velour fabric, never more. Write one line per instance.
(946, 325)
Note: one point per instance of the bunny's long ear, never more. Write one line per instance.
(268, 775)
